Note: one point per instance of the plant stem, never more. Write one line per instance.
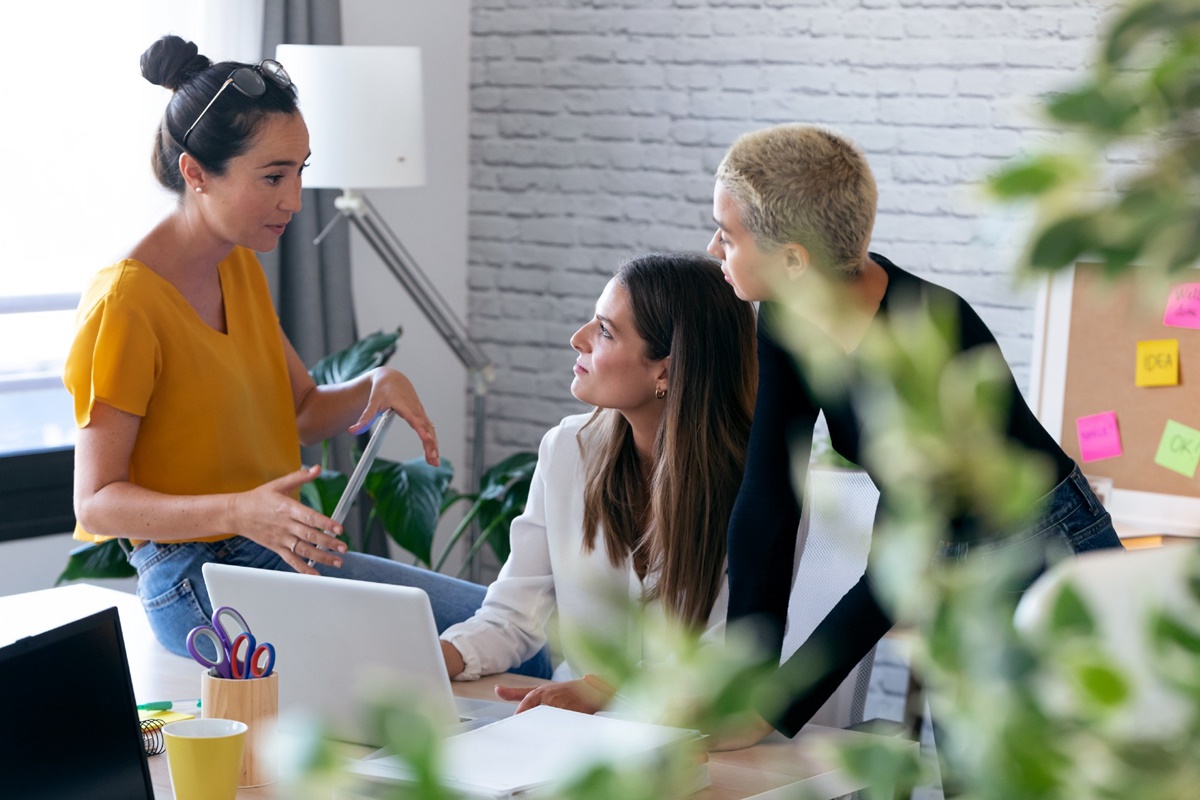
(368, 529)
(472, 512)
(483, 537)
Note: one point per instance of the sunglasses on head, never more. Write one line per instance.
(250, 82)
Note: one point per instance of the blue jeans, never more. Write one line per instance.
(171, 587)
(1069, 520)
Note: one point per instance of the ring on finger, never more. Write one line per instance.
(295, 542)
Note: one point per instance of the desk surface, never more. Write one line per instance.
(759, 771)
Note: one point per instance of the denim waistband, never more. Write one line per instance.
(1059, 507)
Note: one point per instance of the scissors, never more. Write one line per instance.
(225, 637)
(252, 665)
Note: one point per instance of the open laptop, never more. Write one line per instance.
(42, 722)
(340, 642)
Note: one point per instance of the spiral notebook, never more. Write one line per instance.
(42, 721)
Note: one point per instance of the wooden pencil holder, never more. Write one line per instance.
(254, 701)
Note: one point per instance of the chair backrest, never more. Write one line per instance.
(1125, 592)
(832, 545)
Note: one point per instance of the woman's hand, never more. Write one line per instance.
(572, 695)
(391, 389)
(744, 733)
(270, 516)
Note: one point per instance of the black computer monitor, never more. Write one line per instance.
(68, 719)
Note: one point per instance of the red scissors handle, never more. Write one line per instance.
(259, 658)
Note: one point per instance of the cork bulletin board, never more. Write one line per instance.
(1088, 364)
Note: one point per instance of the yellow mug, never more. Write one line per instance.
(205, 757)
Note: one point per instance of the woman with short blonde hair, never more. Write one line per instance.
(794, 207)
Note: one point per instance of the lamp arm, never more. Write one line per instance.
(395, 256)
(400, 262)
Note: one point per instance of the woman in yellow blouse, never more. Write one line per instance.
(191, 403)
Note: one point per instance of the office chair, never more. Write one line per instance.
(1124, 590)
(832, 544)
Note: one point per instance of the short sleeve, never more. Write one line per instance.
(115, 357)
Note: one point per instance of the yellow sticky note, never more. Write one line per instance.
(1158, 363)
(165, 716)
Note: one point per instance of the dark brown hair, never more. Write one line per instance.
(229, 126)
(677, 519)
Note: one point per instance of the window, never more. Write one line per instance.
(77, 193)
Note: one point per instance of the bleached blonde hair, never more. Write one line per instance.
(806, 185)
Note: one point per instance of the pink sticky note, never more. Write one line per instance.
(1183, 306)
(1098, 436)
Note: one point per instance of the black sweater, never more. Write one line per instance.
(763, 526)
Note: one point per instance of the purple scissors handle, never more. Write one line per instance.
(229, 632)
(222, 661)
(222, 637)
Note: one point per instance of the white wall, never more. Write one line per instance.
(431, 220)
(27, 565)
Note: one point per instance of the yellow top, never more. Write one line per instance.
(217, 410)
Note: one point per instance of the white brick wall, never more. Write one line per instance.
(596, 127)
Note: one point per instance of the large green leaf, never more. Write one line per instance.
(322, 493)
(1100, 109)
(1031, 178)
(1069, 615)
(408, 500)
(365, 354)
(103, 560)
(1062, 242)
(502, 497)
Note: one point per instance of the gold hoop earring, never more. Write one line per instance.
(660, 393)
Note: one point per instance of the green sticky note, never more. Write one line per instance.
(1179, 449)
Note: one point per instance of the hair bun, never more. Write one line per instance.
(172, 62)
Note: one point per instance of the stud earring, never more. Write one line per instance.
(199, 188)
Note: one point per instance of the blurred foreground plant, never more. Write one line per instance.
(939, 450)
(667, 676)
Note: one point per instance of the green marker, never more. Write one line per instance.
(169, 705)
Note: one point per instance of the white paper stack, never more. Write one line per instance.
(539, 748)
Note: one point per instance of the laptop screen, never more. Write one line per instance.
(68, 719)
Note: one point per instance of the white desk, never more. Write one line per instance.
(776, 768)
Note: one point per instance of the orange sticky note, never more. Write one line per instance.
(1158, 363)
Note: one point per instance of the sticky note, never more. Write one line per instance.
(1098, 436)
(1158, 363)
(1179, 449)
(165, 716)
(1183, 306)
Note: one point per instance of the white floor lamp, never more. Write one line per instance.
(366, 121)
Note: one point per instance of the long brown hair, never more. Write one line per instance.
(677, 519)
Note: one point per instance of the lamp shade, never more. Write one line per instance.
(365, 112)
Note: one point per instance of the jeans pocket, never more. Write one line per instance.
(1099, 535)
(173, 613)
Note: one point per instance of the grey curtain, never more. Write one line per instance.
(311, 284)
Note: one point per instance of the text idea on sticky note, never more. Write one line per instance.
(1098, 436)
(1179, 449)
(1183, 306)
(1158, 363)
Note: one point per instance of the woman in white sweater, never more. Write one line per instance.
(634, 499)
